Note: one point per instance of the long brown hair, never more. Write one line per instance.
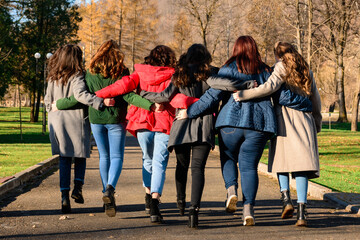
(108, 60)
(66, 61)
(297, 76)
(195, 62)
(162, 56)
(247, 56)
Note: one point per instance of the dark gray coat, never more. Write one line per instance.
(197, 130)
(70, 129)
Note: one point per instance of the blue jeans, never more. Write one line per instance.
(245, 147)
(155, 159)
(65, 171)
(110, 141)
(301, 184)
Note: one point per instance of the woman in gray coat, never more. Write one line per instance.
(69, 129)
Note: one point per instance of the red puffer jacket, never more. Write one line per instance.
(148, 78)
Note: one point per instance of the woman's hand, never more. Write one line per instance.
(236, 93)
(236, 96)
(181, 114)
(157, 107)
(109, 102)
(53, 107)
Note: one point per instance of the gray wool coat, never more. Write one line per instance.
(70, 129)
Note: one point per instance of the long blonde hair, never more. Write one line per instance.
(297, 76)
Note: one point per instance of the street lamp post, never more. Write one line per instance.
(48, 56)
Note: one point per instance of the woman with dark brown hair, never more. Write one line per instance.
(108, 126)
(152, 129)
(295, 149)
(244, 128)
(69, 130)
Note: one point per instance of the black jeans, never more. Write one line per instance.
(200, 153)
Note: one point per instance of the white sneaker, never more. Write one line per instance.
(231, 204)
(248, 215)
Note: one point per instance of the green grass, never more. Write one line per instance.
(17, 155)
(339, 150)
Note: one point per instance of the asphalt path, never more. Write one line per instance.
(33, 212)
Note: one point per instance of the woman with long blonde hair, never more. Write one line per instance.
(295, 149)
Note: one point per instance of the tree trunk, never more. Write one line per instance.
(309, 42)
(14, 99)
(121, 22)
(134, 38)
(340, 88)
(32, 106)
(37, 106)
(355, 106)
(298, 28)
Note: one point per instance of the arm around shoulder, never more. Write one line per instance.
(82, 94)
(272, 84)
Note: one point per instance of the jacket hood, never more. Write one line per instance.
(153, 75)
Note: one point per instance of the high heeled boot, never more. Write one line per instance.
(155, 215)
(193, 217)
(181, 206)
(301, 215)
(288, 207)
(109, 201)
(77, 192)
(65, 202)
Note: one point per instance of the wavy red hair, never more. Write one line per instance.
(247, 56)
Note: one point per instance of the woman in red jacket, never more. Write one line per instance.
(152, 129)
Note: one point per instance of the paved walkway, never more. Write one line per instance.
(34, 212)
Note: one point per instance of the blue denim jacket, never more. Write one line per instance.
(257, 114)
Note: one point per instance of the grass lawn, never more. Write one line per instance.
(17, 155)
(339, 150)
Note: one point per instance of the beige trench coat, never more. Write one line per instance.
(295, 148)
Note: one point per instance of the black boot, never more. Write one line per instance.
(65, 202)
(155, 215)
(147, 202)
(77, 192)
(109, 201)
(288, 207)
(193, 217)
(301, 215)
(181, 206)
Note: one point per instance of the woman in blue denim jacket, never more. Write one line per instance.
(244, 127)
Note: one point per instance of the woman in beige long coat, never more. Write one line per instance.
(295, 149)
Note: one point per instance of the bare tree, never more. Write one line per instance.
(338, 15)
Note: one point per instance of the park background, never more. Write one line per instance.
(325, 32)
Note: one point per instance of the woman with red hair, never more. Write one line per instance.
(244, 127)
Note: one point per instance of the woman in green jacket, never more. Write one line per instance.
(109, 124)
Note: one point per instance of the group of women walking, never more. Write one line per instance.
(181, 105)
